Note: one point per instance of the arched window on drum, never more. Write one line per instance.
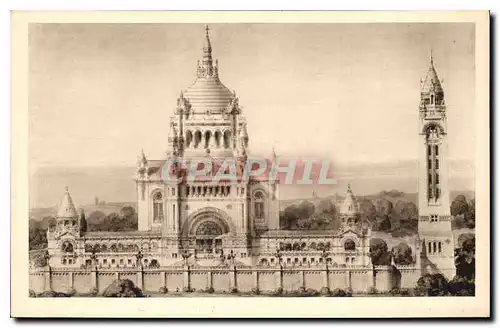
(158, 207)
(259, 205)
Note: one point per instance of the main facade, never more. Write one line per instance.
(202, 223)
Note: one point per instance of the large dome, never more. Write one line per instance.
(208, 93)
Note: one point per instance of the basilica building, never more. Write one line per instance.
(208, 224)
(203, 222)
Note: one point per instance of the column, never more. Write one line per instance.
(48, 279)
(117, 275)
(93, 278)
(279, 277)
(232, 278)
(324, 275)
(302, 278)
(140, 283)
(202, 141)
(163, 279)
(255, 276)
(210, 280)
(71, 279)
(186, 285)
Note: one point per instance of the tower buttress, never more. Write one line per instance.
(434, 223)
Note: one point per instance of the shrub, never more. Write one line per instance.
(348, 292)
(337, 292)
(186, 290)
(395, 291)
(419, 291)
(122, 288)
(278, 291)
(209, 290)
(32, 293)
(461, 286)
(372, 291)
(71, 292)
(234, 290)
(94, 291)
(163, 290)
(48, 293)
(255, 291)
(432, 285)
(406, 292)
(325, 291)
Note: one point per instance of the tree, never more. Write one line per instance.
(40, 259)
(459, 205)
(470, 215)
(432, 285)
(306, 209)
(402, 254)
(37, 236)
(295, 216)
(465, 257)
(379, 252)
(384, 207)
(127, 211)
(404, 219)
(406, 210)
(326, 207)
(463, 212)
(368, 211)
(290, 217)
(382, 223)
(95, 221)
(458, 222)
(83, 222)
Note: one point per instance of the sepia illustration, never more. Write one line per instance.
(340, 165)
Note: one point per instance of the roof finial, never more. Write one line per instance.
(432, 58)
(67, 189)
(207, 66)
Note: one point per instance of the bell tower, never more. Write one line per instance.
(434, 223)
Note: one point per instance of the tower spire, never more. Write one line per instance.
(207, 51)
(67, 208)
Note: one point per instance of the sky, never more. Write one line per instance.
(98, 93)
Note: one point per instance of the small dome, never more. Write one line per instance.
(350, 204)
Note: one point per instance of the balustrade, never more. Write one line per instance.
(199, 191)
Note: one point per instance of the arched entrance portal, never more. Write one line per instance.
(208, 236)
(204, 231)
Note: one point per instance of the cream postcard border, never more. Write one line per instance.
(362, 307)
